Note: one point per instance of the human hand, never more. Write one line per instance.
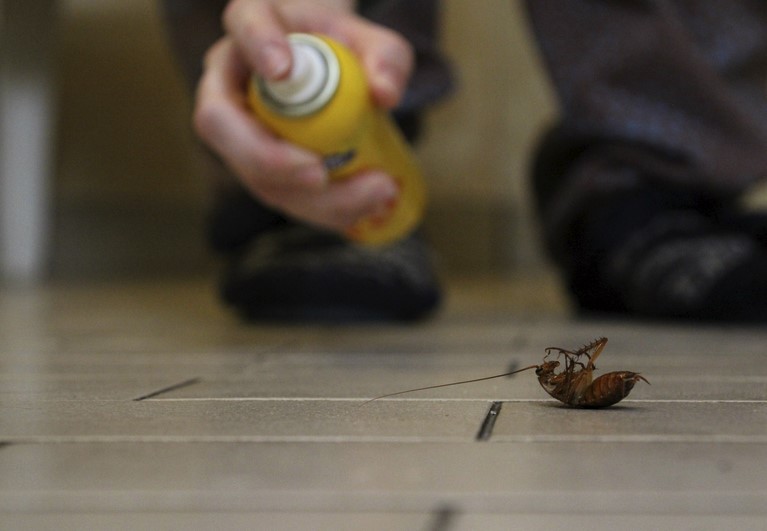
(281, 174)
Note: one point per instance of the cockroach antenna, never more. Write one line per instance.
(449, 384)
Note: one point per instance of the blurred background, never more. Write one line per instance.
(128, 192)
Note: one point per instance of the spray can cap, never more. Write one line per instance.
(312, 81)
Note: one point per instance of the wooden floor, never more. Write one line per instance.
(146, 406)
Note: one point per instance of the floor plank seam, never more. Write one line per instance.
(399, 439)
(170, 388)
(422, 399)
(486, 429)
(444, 518)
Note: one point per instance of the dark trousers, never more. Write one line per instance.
(662, 94)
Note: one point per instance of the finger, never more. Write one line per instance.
(260, 35)
(344, 203)
(387, 58)
(223, 120)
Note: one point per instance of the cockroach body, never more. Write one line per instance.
(574, 384)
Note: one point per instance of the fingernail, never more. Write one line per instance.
(387, 197)
(382, 214)
(274, 61)
(388, 88)
(389, 192)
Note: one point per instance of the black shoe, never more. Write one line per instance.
(298, 274)
(652, 254)
(631, 242)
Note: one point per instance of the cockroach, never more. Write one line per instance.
(574, 384)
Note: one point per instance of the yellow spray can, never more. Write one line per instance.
(324, 105)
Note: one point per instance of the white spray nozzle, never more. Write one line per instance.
(306, 80)
(312, 81)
